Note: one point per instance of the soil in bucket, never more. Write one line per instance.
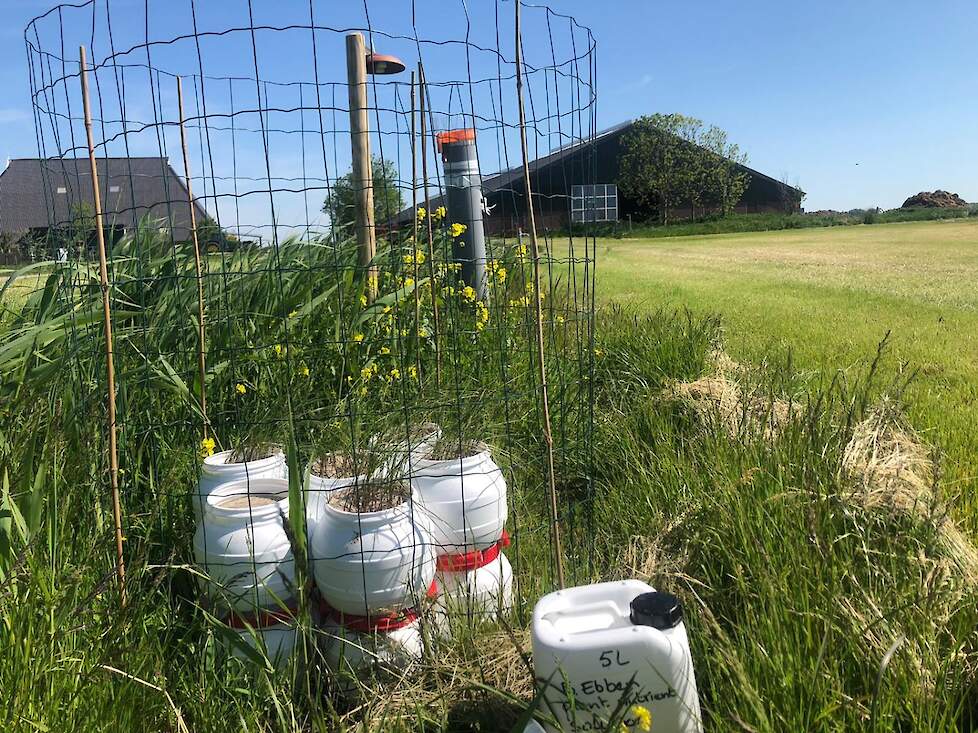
(253, 500)
(371, 497)
(448, 449)
(247, 453)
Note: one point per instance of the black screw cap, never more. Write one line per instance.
(658, 610)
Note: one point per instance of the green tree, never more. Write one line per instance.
(671, 160)
(340, 204)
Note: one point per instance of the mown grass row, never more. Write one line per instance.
(773, 221)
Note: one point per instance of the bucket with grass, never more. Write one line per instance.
(401, 450)
(255, 462)
(477, 585)
(463, 492)
(328, 473)
(353, 644)
(371, 551)
(269, 633)
(242, 547)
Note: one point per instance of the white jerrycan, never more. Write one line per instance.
(615, 651)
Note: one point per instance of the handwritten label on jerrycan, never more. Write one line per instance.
(611, 648)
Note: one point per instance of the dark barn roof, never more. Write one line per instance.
(37, 193)
(594, 161)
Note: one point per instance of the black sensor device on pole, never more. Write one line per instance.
(463, 193)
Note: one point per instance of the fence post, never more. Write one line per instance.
(120, 566)
(356, 73)
(201, 344)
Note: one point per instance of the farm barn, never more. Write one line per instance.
(558, 179)
(41, 194)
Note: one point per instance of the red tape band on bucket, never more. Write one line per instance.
(466, 561)
(373, 624)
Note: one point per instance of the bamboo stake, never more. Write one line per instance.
(422, 89)
(414, 208)
(120, 565)
(201, 343)
(535, 253)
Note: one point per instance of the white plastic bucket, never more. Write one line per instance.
(465, 499)
(591, 647)
(404, 451)
(216, 471)
(370, 562)
(479, 594)
(242, 546)
(319, 489)
(271, 634)
(351, 651)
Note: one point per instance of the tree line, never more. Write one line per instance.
(671, 160)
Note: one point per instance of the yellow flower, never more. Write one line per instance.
(521, 250)
(457, 230)
(387, 309)
(408, 259)
(241, 389)
(304, 370)
(560, 319)
(413, 371)
(468, 293)
(384, 350)
(598, 352)
(421, 213)
(207, 447)
(363, 300)
(422, 332)
(403, 332)
(293, 314)
(438, 214)
(408, 282)
(279, 351)
(395, 373)
(644, 717)
(367, 372)
(419, 256)
(358, 337)
(501, 275)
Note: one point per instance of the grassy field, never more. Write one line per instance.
(829, 296)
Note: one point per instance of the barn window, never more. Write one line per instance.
(62, 189)
(113, 189)
(597, 202)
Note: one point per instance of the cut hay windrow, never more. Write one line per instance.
(890, 468)
(720, 400)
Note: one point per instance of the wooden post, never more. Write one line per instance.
(120, 565)
(535, 254)
(356, 73)
(201, 344)
(422, 92)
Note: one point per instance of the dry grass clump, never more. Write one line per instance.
(890, 468)
(472, 681)
(720, 400)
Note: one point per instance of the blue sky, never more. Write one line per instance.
(860, 103)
